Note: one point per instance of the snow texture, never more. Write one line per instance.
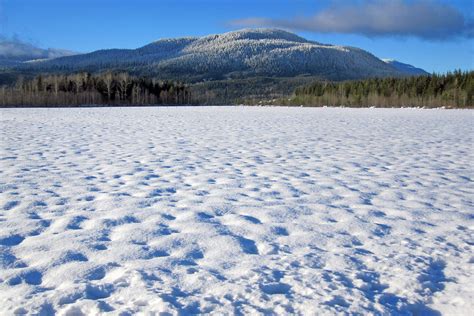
(236, 210)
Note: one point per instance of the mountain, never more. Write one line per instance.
(15, 52)
(405, 68)
(239, 54)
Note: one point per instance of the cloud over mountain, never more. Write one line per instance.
(14, 49)
(423, 19)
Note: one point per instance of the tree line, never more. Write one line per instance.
(452, 90)
(93, 89)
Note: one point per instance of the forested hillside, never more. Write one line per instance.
(234, 55)
(453, 90)
(249, 65)
(86, 89)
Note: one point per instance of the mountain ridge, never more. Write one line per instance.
(406, 68)
(237, 54)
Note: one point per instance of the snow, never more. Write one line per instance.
(236, 210)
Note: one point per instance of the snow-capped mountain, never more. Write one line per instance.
(14, 52)
(405, 68)
(238, 54)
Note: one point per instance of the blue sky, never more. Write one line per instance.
(87, 25)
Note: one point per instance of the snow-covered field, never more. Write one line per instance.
(236, 210)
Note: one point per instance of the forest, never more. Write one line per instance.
(88, 89)
(451, 90)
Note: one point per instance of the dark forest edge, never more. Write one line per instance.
(85, 89)
(451, 90)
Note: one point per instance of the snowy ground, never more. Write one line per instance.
(236, 210)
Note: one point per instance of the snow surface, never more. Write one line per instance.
(236, 210)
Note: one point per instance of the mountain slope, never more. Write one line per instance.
(405, 68)
(239, 54)
(14, 52)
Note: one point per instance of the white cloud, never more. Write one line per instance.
(419, 18)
